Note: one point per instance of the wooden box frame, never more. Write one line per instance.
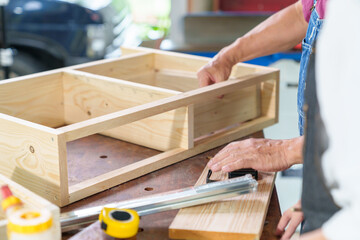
(40, 113)
(32, 201)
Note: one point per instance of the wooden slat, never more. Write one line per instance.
(30, 156)
(181, 81)
(124, 67)
(270, 98)
(236, 218)
(63, 170)
(88, 96)
(110, 179)
(32, 201)
(235, 107)
(37, 99)
(124, 174)
(100, 124)
(214, 114)
(186, 62)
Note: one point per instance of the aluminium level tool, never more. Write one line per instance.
(181, 198)
(234, 174)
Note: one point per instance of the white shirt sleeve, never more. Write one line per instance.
(338, 88)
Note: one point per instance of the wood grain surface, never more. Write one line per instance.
(30, 156)
(35, 99)
(87, 96)
(237, 218)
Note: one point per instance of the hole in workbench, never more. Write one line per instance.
(148, 189)
(103, 156)
(140, 230)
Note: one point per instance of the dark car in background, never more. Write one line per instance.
(47, 34)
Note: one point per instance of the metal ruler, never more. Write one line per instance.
(181, 198)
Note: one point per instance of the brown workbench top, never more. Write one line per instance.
(97, 154)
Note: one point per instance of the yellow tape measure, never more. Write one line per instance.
(119, 223)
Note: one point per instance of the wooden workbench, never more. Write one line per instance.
(97, 154)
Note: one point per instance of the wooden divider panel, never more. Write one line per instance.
(36, 98)
(137, 68)
(88, 96)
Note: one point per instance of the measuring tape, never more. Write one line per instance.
(119, 223)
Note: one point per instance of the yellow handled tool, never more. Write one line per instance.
(119, 223)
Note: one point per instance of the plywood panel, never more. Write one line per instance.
(236, 218)
(88, 96)
(30, 156)
(38, 99)
(30, 200)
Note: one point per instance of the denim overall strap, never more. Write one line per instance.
(315, 24)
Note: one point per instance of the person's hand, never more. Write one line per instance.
(217, 70)
(291, 218)
(313, 235)
(260, 154)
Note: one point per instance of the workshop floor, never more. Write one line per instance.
(288, 187)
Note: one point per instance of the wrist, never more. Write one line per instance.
(230, 55)
(294, 150)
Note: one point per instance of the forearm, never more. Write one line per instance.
(279, 32)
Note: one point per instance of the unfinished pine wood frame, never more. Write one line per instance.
(147, 97)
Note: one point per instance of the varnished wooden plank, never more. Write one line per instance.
(30, 200)
(236, 218)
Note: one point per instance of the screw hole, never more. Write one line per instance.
(103, 156)
(140, 230)
(148, 189)
(89, 113)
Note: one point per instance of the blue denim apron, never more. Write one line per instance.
(313, 30)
